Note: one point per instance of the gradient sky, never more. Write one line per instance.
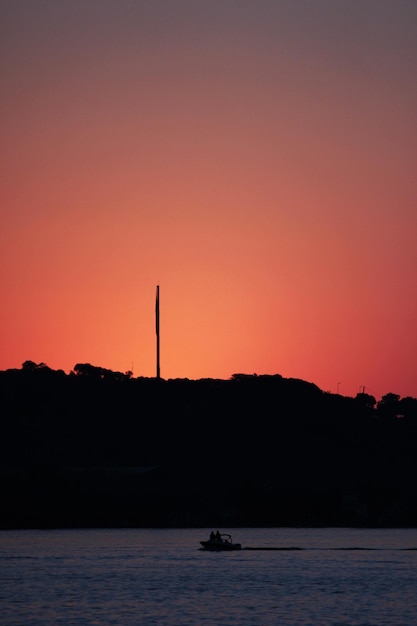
(256, 159)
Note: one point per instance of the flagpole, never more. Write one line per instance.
(158, 368)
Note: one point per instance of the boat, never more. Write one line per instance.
(220, 542)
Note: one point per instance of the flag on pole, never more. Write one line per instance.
(157, 311)
(158, 367)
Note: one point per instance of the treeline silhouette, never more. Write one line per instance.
(101, 448)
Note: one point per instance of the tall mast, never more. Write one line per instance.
(158, 369)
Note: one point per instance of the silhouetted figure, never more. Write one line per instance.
(212, 536)
(218, 536)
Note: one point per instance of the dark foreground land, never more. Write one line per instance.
(100, 448)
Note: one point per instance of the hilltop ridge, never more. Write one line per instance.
(102, 448)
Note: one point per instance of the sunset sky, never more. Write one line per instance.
(256, 159)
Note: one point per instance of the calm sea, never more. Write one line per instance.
(162, 578)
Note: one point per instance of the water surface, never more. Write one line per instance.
(161, 577)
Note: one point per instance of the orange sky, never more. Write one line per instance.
(257, 160)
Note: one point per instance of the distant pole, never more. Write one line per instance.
(158, 368)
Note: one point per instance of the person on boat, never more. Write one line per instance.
(212, 536)
(218, 537)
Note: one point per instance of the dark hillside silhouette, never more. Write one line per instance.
(102, 448)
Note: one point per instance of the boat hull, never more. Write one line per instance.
(220, 546)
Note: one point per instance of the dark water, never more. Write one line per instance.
(160, 577)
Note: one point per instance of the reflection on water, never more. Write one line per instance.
(146, 577)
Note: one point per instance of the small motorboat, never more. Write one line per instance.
(220, 542)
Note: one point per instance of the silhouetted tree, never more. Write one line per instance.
(389, 406)
(31, 366)
(99, 373)
(88, 370)
(365, 400)
(408, 408)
